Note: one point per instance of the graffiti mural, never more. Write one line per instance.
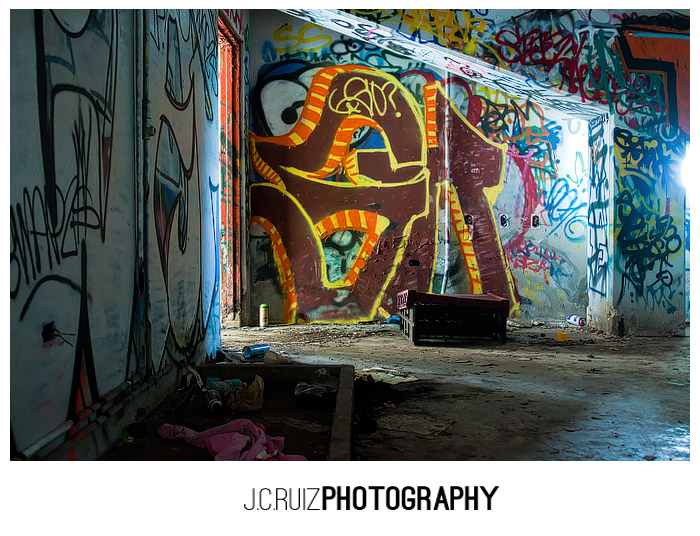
(356, 175)
(184, 187)
(647, 235)
(635, 64)
(599, 214)
(630, 65)
(93, 291)
(71, 224)
(555, 210)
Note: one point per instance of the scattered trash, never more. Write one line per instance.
(303, 389)
(246, 398)
(214, 400)
(393, 319)
(576, 320)
(562, 336)
(237, 440)
(390, 376)
(523, 359)
(649, 457)
(313, 393)
(232, 356)
(423, 426)
(214, 382)
(572, 429)
(264, 310)
(273, 358)
(255, 350)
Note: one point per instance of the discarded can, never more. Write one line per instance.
(212, 382)
(214, 401)
(576, 320)
(255, 350)
(264, 316)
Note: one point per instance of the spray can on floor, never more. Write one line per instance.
(264, 315)
(214, 400)
(255, 350)
(576, 320)
(212, 382)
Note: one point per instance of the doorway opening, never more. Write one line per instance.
(230, 165)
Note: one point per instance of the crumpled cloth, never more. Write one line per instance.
(241, 440)
(246, 398)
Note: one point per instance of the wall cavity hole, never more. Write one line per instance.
(48, 332)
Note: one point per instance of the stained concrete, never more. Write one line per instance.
(593, 397)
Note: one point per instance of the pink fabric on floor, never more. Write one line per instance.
(241, 439)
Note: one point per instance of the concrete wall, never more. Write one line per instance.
(586, 64)
(113, 239)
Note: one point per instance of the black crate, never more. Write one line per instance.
(451, 318)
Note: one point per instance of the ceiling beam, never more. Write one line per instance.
(452, 61)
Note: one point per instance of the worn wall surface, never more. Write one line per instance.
(577, 181)
(113, 241)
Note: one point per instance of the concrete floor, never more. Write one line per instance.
(594, 397)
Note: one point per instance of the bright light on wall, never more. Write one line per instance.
(686, 168)
(688, 174)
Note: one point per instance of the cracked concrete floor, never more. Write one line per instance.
(594, 397)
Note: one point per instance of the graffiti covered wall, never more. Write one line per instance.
(184, 227)
(376, 172)
(632, 65)
(635, 63)
(113, 244)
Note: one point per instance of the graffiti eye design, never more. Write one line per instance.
(504, 220)
(535, 221)
(291, 113)
(282, 101)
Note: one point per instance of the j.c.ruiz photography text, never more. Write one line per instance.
(373, 498)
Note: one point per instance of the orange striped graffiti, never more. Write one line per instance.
(318, 180)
